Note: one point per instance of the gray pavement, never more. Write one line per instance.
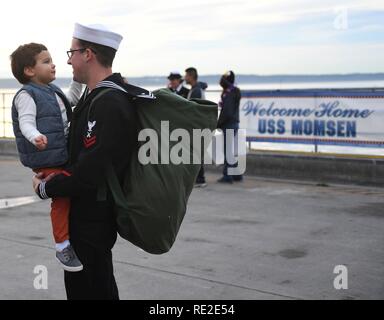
(260, 239)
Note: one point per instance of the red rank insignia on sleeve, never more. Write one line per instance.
(90, 140)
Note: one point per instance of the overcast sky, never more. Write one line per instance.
(247, 36)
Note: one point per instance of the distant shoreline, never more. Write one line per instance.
(240, 79)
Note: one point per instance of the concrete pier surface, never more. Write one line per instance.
(258, 239)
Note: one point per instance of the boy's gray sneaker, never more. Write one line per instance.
(69, 260)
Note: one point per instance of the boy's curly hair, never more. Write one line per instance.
(25, 56)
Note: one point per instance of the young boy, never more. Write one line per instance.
(40, 116)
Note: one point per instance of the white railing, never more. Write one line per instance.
(6, 98)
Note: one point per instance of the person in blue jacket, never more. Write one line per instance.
(229, 119)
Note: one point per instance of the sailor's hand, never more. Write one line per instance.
(39, 178)
(36, 180)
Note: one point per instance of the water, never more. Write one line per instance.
(213, 94)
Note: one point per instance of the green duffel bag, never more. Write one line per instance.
(151, 204)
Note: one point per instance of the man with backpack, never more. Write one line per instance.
(105, 134)
(112, 188)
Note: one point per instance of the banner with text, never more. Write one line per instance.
(332, 117)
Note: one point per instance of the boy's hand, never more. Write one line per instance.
(41, 142)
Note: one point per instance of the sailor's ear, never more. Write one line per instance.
(89, 54)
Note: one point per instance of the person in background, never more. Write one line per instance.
(176, 84)
(197, 92)
(229, 119)
(197, 88)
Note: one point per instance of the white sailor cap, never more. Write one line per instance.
(97, 33)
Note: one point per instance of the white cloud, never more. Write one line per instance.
(212, 35)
